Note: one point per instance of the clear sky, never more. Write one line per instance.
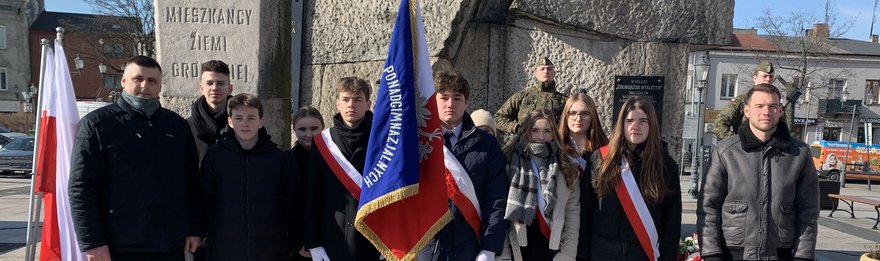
(746, 12)
(744, 15)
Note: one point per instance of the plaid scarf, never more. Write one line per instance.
(522, 198)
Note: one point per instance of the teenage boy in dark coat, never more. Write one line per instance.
(331, 207)
(208, 112)
(481, 156)
(249, 189)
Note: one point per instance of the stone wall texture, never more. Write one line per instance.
(494, 43)
(252, 37)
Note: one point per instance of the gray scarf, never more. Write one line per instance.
(144, 105)
(522, 198)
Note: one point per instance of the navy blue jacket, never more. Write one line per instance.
(481, 156)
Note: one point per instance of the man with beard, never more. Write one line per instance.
(760, 200)
(208, 113)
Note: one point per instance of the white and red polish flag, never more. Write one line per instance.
(58, 118)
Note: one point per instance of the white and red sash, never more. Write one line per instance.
(461, 191)
(347, 174)
(543, 223)
(582, 166)
(636, 210)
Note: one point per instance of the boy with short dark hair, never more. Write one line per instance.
(249, 186)
(481, 157)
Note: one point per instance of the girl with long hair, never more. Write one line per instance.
(307, 123)
(542, 202)
(581, 134)
(634, 170)
(580, 130)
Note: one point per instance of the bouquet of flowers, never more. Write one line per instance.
(689, 249)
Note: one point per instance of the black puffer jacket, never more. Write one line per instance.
(331, 208)
(611, 237)
(249, 198)
(481, 156)
(134, 181)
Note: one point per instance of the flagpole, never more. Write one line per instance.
(34, 211)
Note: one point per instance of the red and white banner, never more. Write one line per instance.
(347, 174)
(58, 118)
(461, 190)
(637, 212)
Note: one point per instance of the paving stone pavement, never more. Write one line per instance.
(841, 238)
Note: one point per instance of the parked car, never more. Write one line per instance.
(6, 137)
(16, 158)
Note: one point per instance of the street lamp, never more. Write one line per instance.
(844, 97)
(78, 61)
(701, 75)
(26, 98)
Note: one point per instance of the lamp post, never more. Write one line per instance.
(80, 64)
(701, 75)
(26, 98)
(852, 123)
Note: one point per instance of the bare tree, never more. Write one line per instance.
(122, 28)
(805, 50)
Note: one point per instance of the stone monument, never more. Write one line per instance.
(494, 43)
(251, 36)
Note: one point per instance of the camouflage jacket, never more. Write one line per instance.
(728, 121)
(517, 108)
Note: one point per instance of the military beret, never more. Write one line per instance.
(543, 60)
(765, 66)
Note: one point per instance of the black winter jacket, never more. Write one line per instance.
(610, 235)
(481, 156)
(331, 209)
(134, 181)
(249, 199)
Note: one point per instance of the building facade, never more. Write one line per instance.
(94, 46)
(839, 97)
(15, 18)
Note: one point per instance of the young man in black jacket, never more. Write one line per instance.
(208, 113)
(249, 189)
(481, 156)
(134, 177)
(333, 192)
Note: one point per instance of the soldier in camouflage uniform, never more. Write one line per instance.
(542, 94)
(728, 120)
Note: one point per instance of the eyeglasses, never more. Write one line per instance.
(582, 114)
(218, 84)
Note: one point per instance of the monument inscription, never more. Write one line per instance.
(648, 87)
(195, 32)
(250, 36)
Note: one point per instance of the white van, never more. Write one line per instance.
(84, 107)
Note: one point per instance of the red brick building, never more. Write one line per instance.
(93, 45)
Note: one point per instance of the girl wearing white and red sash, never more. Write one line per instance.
(542, 202)
(307, 123)
(635, 202)
(581, 133)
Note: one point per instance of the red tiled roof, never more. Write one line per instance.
(750, 42)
